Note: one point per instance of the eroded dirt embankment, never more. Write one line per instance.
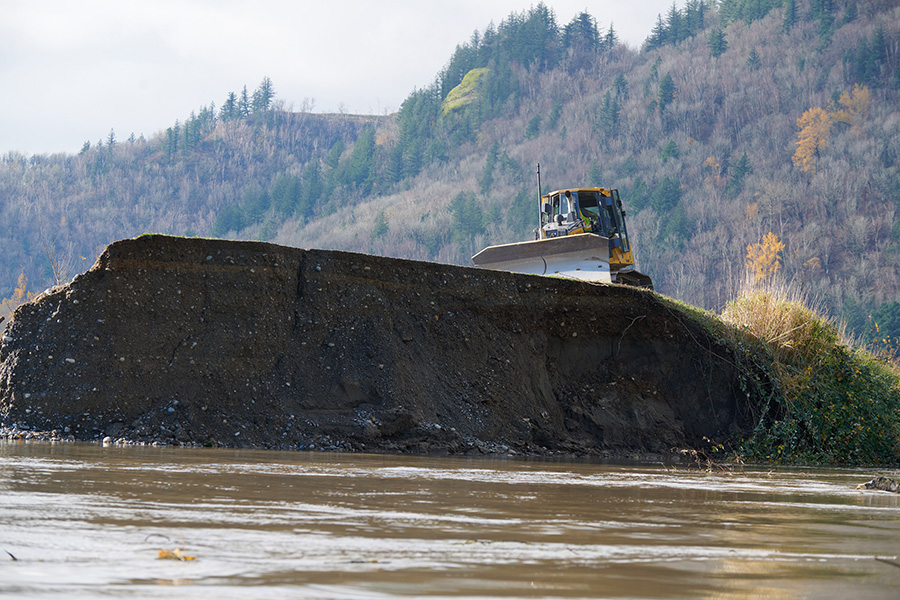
(252, 344)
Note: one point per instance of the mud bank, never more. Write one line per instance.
(255, 345)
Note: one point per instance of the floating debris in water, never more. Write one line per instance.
(176, 554)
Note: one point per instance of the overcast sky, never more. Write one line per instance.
(72, 70)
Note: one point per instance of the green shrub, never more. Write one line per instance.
(832, 403)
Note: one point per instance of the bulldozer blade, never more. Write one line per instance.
(584, 257)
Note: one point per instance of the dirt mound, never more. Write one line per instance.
(252, 344)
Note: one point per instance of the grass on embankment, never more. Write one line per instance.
(817, 398)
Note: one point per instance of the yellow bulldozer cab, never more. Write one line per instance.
(588, 210)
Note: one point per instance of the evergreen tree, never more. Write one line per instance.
(654, 69)
(502, 85)
(612, 38)
(717, 42)
(695, 16)
(666, 196)
(666, 92)
(823, 12)
(334, 154)
(675, 229)
(630, 167)
(658, 35)
(531, 38)
(360, 170)
(414, 157)
(393, 167)
(254, 203)
(609, 113)
(851, 13)
(110, 144)
(467, 218)
(746, 10)
(312, 189)
(790, 15)
(679, 25)
(170, 141)
(285, 195)
(671, 150)
(381, 227)
(820, 9)
(555, 114)
(620, 85)
(533, 129)
(464, 59)
(437, 150)
(581, 34)
(739, 171)
(753, 60)
(263, 96)
(418, 116)
(244, 104)
(867, 63)
(879, 48)
(486, 182)
(229, 110)
(674, 25)
(639, 194)
(194, 131)
(229, 219)
(863, 62)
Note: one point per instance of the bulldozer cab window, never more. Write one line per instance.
(566, 204)
(554, 202)
(619, 214)
(590, 209)
(597, 208)
(608, 222)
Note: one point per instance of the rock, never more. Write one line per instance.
(884, 484)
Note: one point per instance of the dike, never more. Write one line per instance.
(245, 344)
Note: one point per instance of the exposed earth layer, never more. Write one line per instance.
(245, 344)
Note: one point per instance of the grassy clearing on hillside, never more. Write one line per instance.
(832, 403)
(466, 92)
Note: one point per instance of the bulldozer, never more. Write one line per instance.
(582, 236)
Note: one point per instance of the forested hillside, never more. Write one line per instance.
(758, 135)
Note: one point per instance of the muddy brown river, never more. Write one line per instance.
(86, 521)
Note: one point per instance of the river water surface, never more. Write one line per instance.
(85, 521)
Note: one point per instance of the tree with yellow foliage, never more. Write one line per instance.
(19, 296)
(764, 258)
(815, 125)
(815, 129)
(851, 106)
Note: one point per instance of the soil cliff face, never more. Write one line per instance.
(253, 344)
